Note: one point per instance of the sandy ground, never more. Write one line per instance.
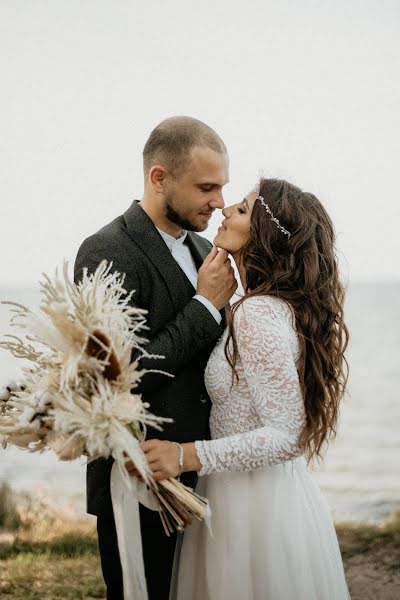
(370, 578)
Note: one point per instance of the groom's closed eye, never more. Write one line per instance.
(208, 187)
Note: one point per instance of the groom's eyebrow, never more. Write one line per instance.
(244, 201)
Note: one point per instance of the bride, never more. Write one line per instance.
(275, 379)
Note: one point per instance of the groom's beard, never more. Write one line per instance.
(173, 216)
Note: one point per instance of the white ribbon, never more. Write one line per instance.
(125, 501)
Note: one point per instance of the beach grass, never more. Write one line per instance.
(50, 557)
(9, 515)
(48, 576)
(65, 566)
(45, 555)
(382, 541)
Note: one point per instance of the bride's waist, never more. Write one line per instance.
(296, 465)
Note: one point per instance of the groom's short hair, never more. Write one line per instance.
(171, 142)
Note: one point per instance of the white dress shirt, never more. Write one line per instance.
(182, 255)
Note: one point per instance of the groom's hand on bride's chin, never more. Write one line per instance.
(216, 278)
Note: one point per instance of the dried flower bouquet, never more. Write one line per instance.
(78, 394)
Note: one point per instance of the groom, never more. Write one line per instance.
(184, 284)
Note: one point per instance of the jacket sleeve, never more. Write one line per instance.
(192, 329)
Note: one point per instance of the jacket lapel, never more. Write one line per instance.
(142, 231)
(198, 251)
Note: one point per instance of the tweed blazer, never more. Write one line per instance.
(179, 328)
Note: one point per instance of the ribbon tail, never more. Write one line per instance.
(127, 522)
(208, 519)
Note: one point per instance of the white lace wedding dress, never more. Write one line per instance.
(272, 533)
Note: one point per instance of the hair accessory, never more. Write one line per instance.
(274, 219)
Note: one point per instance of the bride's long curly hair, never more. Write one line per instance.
(302, 271)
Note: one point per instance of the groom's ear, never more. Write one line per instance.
(157, 175)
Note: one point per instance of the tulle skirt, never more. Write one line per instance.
(272, 538)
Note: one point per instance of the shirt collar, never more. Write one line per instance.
(171, 241)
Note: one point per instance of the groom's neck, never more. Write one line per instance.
(154, 210)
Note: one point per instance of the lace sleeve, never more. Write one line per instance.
(263, 329)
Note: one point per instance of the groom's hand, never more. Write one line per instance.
(216, 279)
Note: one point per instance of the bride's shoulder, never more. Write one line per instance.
(270, 303)
(265, 307)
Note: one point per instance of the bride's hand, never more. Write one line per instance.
(163, 458)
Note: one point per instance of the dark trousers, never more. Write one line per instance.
(158, 555)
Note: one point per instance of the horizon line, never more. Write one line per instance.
(33, 285)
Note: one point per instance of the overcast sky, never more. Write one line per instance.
(306, 90)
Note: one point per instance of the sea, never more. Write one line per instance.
(360, 475)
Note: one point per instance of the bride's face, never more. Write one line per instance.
(234, 231)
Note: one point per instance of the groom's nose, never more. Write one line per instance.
(217, 201)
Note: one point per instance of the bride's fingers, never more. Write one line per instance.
(132, 470)
(153, 457)
(156, 466)
(150, 445)
(135, 473)
(129, 466)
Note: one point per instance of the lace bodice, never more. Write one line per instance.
(257, 422)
